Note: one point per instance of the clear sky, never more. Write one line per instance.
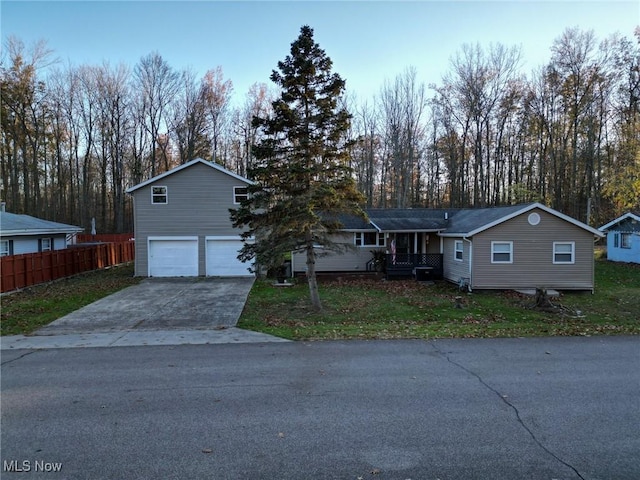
(368, 41)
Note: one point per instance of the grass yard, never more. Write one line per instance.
(29, 309)
(369, 309)
(406, 309)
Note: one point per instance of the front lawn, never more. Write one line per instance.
(407, 309)
(27, 310)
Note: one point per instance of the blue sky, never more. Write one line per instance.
(368, 41)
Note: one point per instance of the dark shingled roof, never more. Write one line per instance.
(452, 222)
(448, 220)
(408, 219)
(470, 219)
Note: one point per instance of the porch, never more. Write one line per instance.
(418, 265)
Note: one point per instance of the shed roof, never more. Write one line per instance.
(630, 221)
(12, 224)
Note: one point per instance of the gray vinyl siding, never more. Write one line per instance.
(533, 255)
(352, 260)
(454, 269)
(199, 199)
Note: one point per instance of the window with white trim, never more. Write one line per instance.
(501, 252)
(369, 239)
(616, 240)
(159, 195)
(625, 240)
(240, 194)
(458, 248)
(46, 244)
(6, 248)
(564, 252)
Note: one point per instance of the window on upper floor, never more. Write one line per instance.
(458, 249)
(501, 252)
(159, 195)
(240, 194)
(564, 252)
(369, 239)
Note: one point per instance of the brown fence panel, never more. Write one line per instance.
(36, 267)
(7, 269)
(19, 271)
(104, 237)
(47, 270)
(23, 274)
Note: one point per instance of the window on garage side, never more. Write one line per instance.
(240, 194)
(501, 252)
(564, 252)
(369, 239)
(159, 195)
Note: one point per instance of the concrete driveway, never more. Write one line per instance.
(161, 304)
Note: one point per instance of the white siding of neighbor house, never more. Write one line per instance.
(29, 244)
(199, 199)
(533, 255)
(352, 260)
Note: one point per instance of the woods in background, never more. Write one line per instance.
(74, 138)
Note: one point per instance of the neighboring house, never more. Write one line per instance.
(182, 224)
(26, 234)
(513, 247)
(623, 238)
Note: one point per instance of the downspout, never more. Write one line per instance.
(470, 261)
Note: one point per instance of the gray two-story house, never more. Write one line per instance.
(182, 225)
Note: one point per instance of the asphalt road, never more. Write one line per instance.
(559, 408)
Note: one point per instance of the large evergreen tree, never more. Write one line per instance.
(303, 182)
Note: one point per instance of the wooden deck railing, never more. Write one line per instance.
(404, 264)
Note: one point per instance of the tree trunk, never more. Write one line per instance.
(311, 277)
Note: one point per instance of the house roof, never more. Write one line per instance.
(408, 219)
(471, 221)
(448, 222)
(190, 163)
(12, 224)
(630, 220)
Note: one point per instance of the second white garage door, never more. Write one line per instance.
(222, 257)
(173, 257)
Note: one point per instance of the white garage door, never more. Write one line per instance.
(222, 257)
(173, 257)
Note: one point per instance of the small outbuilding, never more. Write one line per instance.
(623, 238)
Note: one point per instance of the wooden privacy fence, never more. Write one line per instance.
(103, 237)
(19, 271)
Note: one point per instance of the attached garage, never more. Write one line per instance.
(222, 257)
(173, 256)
